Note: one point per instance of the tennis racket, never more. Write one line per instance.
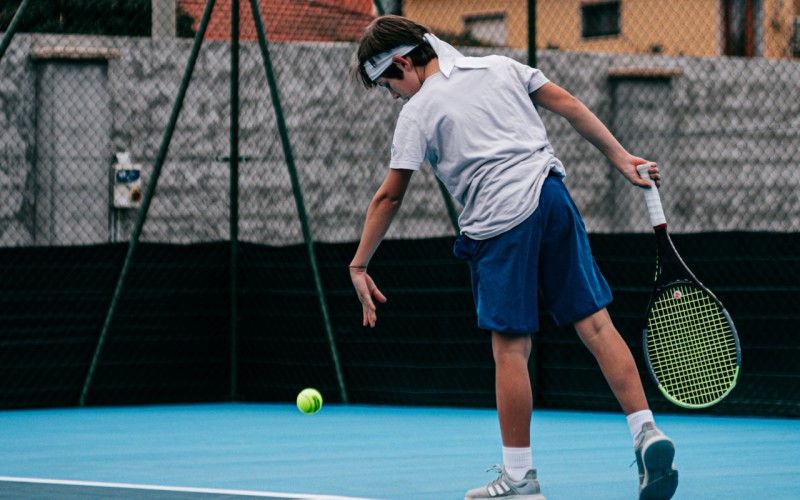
(690, 342)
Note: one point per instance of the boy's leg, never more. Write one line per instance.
(517, 477)
(615, 359)
(658, 478)
(513, 388)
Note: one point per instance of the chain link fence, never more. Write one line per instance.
(183, 183)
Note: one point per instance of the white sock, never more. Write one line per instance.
(636, 420)
(517, 462)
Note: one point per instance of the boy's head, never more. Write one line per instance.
(385, 34)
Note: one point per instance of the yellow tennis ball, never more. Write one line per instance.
(309, 401)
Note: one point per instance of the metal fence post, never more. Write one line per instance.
(12, 28)
(148, 196)
(298, 195)
(234, 198)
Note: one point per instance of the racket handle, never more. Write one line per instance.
(652, 198)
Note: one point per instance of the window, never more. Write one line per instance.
(392, 7)
(741, 30)
(600, 19)
(488, 27)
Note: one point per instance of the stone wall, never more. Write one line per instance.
(724, 131)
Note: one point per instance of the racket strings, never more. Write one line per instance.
(691, 346)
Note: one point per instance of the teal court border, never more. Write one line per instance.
(378, 452)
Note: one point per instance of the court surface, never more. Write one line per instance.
(273, 451)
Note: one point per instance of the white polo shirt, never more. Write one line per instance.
(484, 139)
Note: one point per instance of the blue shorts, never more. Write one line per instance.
(548, 254)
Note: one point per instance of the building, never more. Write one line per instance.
(747, 28)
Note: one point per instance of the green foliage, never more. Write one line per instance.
(88, 17)
(463, 39)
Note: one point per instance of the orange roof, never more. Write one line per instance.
(288, 20)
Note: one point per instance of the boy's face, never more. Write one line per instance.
(404, 87)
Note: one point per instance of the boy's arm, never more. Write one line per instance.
(554, 98)
(381, 212)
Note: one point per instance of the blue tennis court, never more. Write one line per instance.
(370, 452)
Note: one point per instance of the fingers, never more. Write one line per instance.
(367, 291)
(378, 295)
(370, 317)
(370, 310)
(653, 174)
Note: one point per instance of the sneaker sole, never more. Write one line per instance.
(513, 497)
(660, 477)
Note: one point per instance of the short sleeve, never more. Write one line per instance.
(409, 145)
(532, 78)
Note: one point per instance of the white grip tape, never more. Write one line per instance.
(652, 198)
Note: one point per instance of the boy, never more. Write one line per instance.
(474, 120)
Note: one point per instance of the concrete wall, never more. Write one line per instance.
(725, 132)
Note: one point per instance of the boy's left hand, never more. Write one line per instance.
(366, 291)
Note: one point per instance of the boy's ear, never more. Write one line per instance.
(403, 63)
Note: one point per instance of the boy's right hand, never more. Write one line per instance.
(628, 169)
(366, 291)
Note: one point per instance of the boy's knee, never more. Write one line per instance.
(505, 346)
(594, 325)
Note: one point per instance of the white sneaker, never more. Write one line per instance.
(658, 477)
(505, 487)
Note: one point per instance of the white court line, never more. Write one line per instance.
(174, 488)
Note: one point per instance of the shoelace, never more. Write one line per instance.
(499, 470)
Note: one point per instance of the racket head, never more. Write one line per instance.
(691, 345)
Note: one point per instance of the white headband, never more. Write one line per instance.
(375, 66)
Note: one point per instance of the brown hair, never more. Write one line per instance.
(384, 34)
